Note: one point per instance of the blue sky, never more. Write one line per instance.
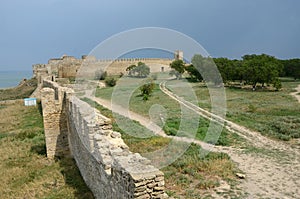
(33, 31)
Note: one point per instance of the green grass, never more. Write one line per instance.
(190, 171)
(19, 92)
(179, 120)
(24, 168)
(274, 114)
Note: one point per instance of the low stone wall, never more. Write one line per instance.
(108, 167)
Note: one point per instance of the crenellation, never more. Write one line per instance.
(70, 67)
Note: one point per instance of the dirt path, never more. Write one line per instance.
(157, 130)
(297, 93)
(252, 136)
(271, 167)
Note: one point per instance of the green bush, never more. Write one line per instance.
(110, 81)
(284, 128)
(146, 90)
(100, 75)
(277, 84)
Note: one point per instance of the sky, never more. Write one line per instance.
(33, 31)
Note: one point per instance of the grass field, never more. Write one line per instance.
(25, 171)
(179, 120)
(274, 114)
(190, 176)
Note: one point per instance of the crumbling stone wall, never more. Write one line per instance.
(108, 167)
(40, 71)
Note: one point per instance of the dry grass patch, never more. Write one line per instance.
(25, 89)
(24, 169)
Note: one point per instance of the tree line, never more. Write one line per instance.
(251, 69)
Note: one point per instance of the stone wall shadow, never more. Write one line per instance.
(39, 148)
(69, 169)
(73, 178)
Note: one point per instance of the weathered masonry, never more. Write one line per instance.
(69, 66)
(74, 128)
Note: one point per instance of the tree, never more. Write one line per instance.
(207, 69)
(193, 72)
(178, 66)
(261, 69)
(228, 69)
(238, 70)
(292, 68)
(175, 73)
(146, 89)
(130, 70)
(141, 70)
(277, 84)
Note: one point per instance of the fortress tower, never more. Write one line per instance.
(178, 55)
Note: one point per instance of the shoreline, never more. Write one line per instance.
(7, 88)
(12, 79)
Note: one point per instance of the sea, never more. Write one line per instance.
(10, 79)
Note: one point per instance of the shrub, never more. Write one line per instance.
(154, 76)
(146, 90)
(285, 128)
(277, 84)
(110, 81)
(100, 75)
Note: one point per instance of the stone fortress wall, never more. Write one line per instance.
(74, 128)
(68, 66)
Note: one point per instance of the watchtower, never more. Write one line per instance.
(178, 55)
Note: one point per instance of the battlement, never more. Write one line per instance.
(68, 66)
